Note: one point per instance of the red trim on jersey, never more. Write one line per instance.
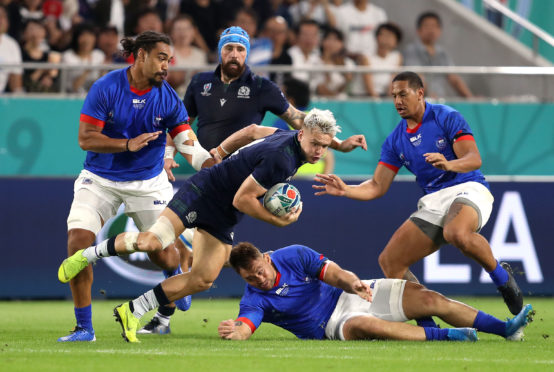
(248, 322)
(467, 137)
(323, 270)
(414, 129)
(390, 166)
(178, 129)
(321, 257)
(90, 120)
(277, 279)
(139, 92)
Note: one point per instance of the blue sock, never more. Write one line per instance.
(426, 322)
(499, 276)
(488, 323)
(435, 334)
(84, 317)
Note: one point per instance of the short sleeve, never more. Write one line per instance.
(273, 99)
(189, 100)
(457, 128)
(312, 262)
(250, 313)
(95, 105)
(389, 158)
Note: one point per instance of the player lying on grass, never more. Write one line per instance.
(305, 293)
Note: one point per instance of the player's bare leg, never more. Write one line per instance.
(80, 285)
(460, 228)
(407, 246)
(366, 327)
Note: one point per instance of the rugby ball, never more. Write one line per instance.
(281, 198)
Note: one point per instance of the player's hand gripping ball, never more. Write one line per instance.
(281, 198)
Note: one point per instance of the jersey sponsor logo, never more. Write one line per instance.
(440, 143)
(244, 92)
(191, 217)
(416, 140)
(207, 88)
(160, 202)
(87, 181)
(222, 101)
(139, 103)
(283, 290)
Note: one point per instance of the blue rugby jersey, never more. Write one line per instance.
(222, 109)
(300, 301)
(439, 129)
(124, 112)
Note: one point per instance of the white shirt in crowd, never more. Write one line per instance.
(381, 80)
(299, 60)
(359, 27)
(9, 53)
(71, 58)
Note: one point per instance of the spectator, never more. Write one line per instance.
(148, 20)
(10, 52)
(35, 49)
(209, 19)
(82, 52)
(321, 11)
(333, 53)
(358, 21)
(306, 53)
(261, 48)
(108, 42)
(426, 52)
(22, 12)
(388, 37)
(281, 8)
(183, 33)
(276, 30)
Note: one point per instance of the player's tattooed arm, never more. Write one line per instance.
(234, 330)
(294, 117)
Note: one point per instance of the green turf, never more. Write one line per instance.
(28, 333)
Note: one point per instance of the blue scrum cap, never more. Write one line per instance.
(236, 35)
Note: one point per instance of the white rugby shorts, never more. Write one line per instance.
(434, 207)
(97, 199)
(386, 305)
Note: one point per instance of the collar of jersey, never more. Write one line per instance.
(425, 114)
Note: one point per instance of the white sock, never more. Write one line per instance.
(164, 320)
(145, 303)
(96, 252)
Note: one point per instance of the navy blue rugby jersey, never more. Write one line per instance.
(222, 109)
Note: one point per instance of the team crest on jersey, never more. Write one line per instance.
(244, 92)
(207, 88)
(158, 121)
(191, 217)
(283, 290)
(139, 103)
(404, 160)
(440, 143)
(416, 140)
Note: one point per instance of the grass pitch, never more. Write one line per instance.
(28, 333)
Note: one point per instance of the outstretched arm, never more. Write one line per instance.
(293, 116)
(187, 144)
(234, 330)
(347, 281)
(371, 189)
(241, 138)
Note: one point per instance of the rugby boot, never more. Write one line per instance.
(72, 266)
(510, 291)
(129, 322)
(515, 326)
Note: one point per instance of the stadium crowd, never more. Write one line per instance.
(300, 33)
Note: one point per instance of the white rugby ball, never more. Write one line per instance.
(281, 198)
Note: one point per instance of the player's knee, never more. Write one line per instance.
(390, 267)
(202, 283)
(166, 259)
(430, 300)
(457, 237)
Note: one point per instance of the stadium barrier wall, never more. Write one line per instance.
(38, 137)
(352, 233)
